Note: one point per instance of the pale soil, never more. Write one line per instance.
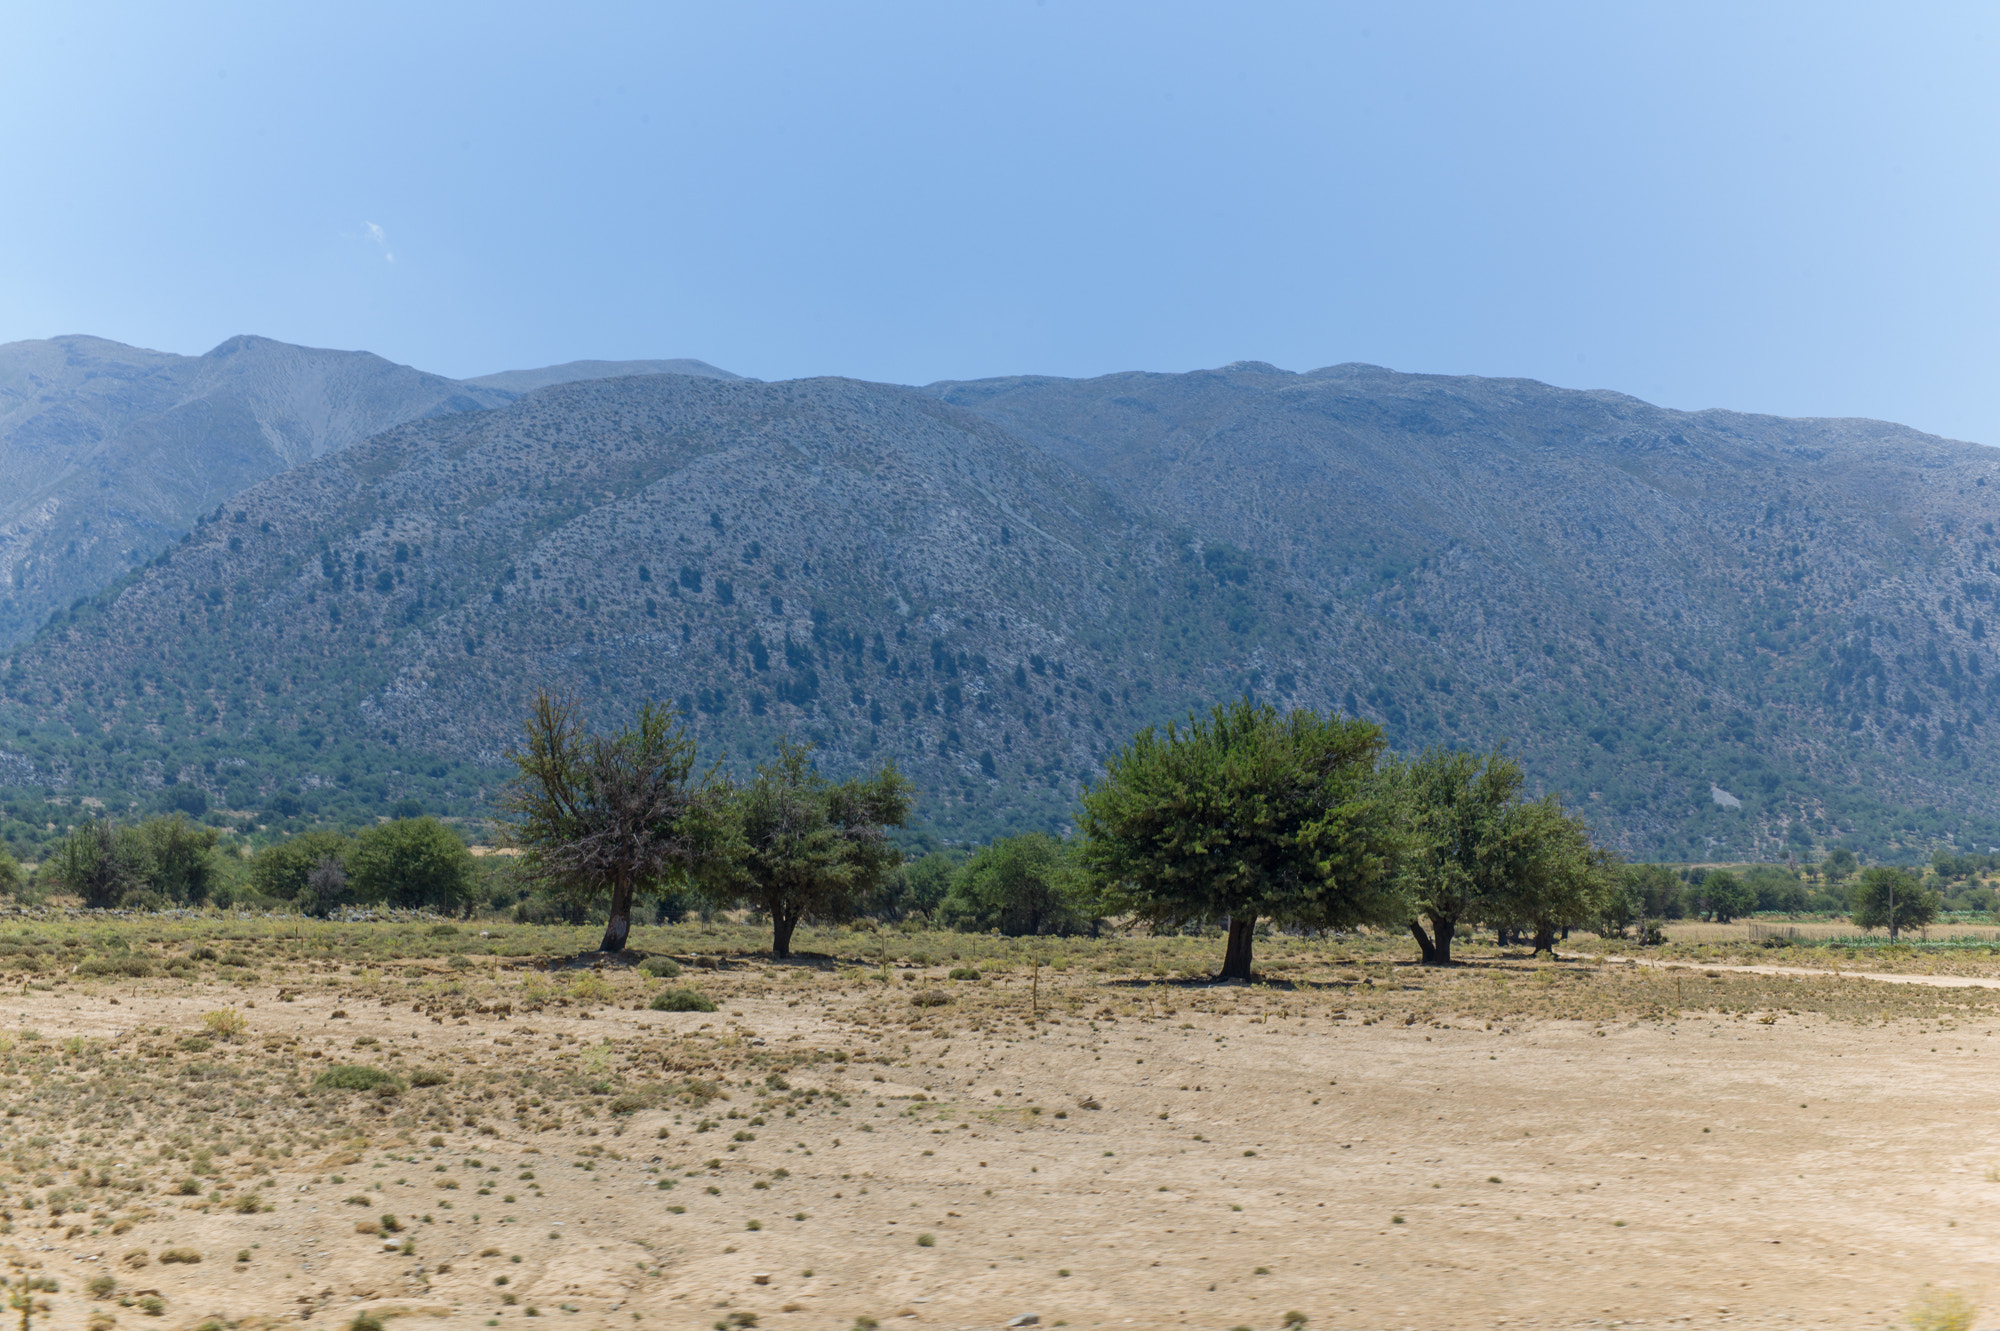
(1810, 1171)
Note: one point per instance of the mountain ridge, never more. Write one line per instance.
(993, 582)
(109, 452)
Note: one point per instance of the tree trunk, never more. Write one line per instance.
(1236, 958)
(620, 924)
(782, 924)
(1444, 929)
(1545, 939)
(1424, 941)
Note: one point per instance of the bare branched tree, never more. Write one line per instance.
(613, 815)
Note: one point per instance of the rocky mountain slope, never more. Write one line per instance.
(108, 453)
(1718, 634)
(1661, 611)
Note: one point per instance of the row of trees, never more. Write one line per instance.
(1243, 816)
(613, 817)
(170, 861)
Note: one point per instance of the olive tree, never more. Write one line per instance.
(1892, 897)
(309, 869)
(177, 858)
(607, 817)
(96, 863)
(409, 862)
(1022, 885)
(1724, 896)
(1246, 814)
(1456, 808)
(806, 847)
(1555, 876)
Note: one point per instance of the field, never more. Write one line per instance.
(242, 1122)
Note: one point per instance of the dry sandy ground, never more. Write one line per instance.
(1698, 1172)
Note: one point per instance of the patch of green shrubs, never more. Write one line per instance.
(682, 1000)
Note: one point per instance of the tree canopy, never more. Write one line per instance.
(410, 862)
(1724, 896)
(1457, 809)
(1555, 878)
(804, 847)
(1896, 898)
(1022, 885)
(283, 870)
(1246, 814)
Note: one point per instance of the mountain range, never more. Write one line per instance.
(109, 452)
(1717, 634)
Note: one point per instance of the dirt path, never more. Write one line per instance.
(1834, 972)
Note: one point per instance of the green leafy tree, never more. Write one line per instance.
(1656, 891)
(1455, 806)
(1839, 864)
(808, 848)
(11, 880)
(1245, 814)
(410, 862)
(1724, 896)
(176, 858)
(1620, 905)
(1555, 877)
(611, 817)
(1892, 897)
(96, 864)
(309, 869)
(919, 887)
(1775, 888)
(1022, 885)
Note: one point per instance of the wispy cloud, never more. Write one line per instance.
(380, 237)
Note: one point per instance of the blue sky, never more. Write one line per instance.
(1787, 208)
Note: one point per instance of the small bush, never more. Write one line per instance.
(152, 1305)
(365, 1322)
(963, 973)
(186, 1256)
(137, 968)
(926, 1240)
(592, 989)
(429, 1077)
(355, 1077)
(681, 1000)
(1942, 1310)
(225, 1024)
(102, 1286)
(630, 1102)
(929, 998)
(661, 968)
(248, 1203)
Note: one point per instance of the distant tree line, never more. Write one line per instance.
(1241, 820)
(167, 861)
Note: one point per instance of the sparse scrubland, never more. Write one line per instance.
(275, 1118)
